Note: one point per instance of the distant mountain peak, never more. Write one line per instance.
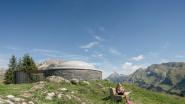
(116, 77)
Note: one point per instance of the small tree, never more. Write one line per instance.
(19, 65)
(9, 77)
(28, 63)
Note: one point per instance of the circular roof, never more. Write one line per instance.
(76, 65)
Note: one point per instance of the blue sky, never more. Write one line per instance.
(115, 35)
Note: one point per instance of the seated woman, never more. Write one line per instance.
(121, 91)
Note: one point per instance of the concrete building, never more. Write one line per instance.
(75, 69)
(67, 69)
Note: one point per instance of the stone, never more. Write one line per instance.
(64, 89)
(76, 98)
(2, 101)
(99, 85)
(17, 99)
(74, 81)
(84, 83)
(27, 94)
(72, 92)
(55, 79)
(38, 86)
(50, 96)
(30, 102)
(60, 95)
(67, 81)
(10, 96)
(68, 97)
(9, 102)
(83, 103)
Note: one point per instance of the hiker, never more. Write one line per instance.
(121, 91)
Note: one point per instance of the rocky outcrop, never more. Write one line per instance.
(11, 99)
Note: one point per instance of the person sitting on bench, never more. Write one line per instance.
(121, 91)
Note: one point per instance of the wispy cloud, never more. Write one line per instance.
(97, 55)
(45, 51)
(138, 58)
(95, 30)
(115, 51)
(90, 45)
(98, 38)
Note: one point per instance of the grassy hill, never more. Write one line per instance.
(94, 93)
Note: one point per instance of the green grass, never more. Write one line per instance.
(14, 89)
(92, 93)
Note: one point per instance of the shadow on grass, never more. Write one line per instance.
(107, 98)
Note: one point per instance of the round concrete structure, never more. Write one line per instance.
(75, 70)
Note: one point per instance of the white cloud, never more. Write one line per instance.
(98, 38)
(89, 45)
(138, 58)
(129, 68)
(114, 51)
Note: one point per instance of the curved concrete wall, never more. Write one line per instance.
(81, 74)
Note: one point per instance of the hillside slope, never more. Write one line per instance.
(167, 77)
(94, 93)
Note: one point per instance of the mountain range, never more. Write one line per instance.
(166, 77)
(116, 77)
